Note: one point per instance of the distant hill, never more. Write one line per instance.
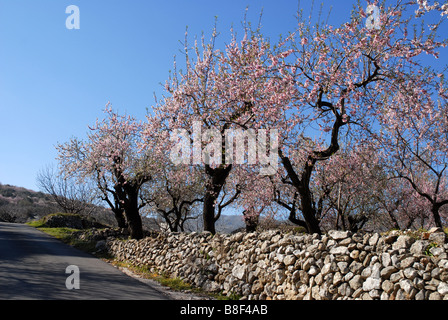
(22, 205)
(225, 224)
(229, 223)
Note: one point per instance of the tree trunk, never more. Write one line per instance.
(394, 220)
(127, 191)
(135, 224)
(251, 222)
(293, 218)
(208, 213)
(132, 213)
(127, 194)
(302, 183)
(303, 189)
(120, 218)
(435, 213)
(308, 210)
(216, 180)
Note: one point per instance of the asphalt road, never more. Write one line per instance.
(33, 266)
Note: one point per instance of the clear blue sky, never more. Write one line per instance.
(54, 81)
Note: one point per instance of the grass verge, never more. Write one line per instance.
(66, 235)
(175, 284)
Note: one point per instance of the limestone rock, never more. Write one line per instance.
(371, 284)
(403, 242)
(338, 235)
(239, 271)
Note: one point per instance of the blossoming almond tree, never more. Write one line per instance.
(346, 185)
(416, 137)
(219, 91)
(340, 78)
(358, 190)
(112, 155)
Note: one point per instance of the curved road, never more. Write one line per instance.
(33, 266)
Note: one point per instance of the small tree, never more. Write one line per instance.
(70, 196)
(174, 194)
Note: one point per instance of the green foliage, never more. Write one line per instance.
(37, 223)
(231, 296)
(66, 235)
(164, 279)
(429, 247)
(299, 230)
(174, 283)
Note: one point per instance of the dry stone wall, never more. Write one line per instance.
(275, 265)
